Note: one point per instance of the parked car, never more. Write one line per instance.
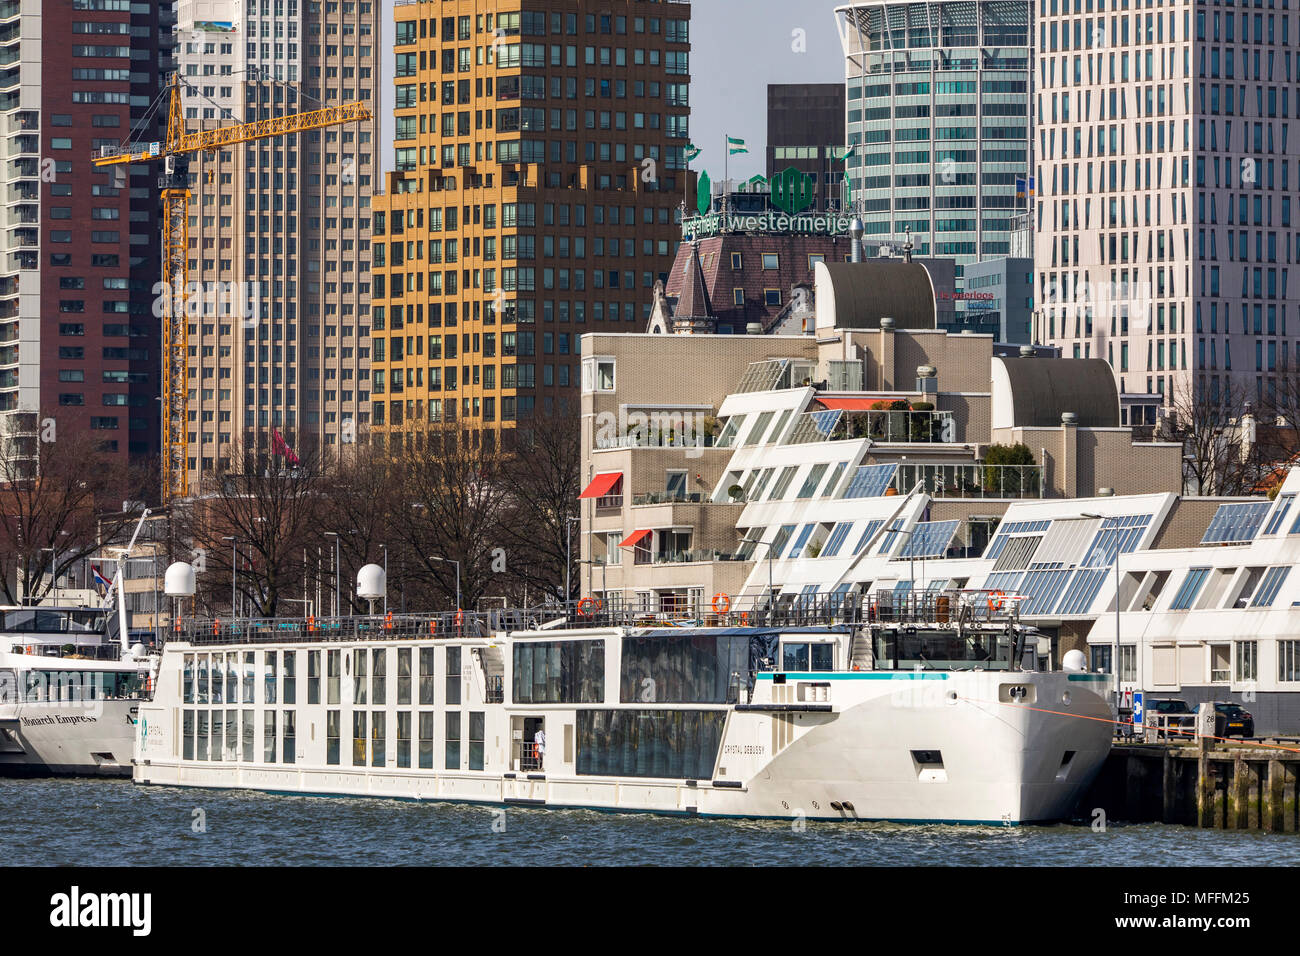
(1231, 720)
(1171, 713)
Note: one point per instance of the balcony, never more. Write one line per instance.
(668, 498)
(973, 480)
(882, 426)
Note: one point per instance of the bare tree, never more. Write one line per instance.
(272, 510)
(544, 475)
(59, 492)
(1208, 425)
(364, 506)
(455, 497)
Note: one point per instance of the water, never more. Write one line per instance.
(97, 822)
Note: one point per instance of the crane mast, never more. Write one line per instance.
(175, 193)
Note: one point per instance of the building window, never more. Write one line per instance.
(771, 260)
(1288, 662)
(1247, 666)
(738, 296)
(772, 296)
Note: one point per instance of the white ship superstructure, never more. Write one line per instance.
(68, 697)
(940, 717)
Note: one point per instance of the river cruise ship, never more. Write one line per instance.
(69, 692)
(932, 708)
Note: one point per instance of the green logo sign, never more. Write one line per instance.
(792, 191)
(704, 194)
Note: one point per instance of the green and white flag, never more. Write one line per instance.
(735, 146)
(845, 153)
(692, 151)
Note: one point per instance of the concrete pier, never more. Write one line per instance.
(1224, 786)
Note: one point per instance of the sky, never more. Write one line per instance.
(738, 47)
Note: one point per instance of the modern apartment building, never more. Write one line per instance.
(805, 129)
(1166, 187)
(279, 228)
(539, 172)
(938, 108)
(78, 338)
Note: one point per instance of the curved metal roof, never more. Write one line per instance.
(867, 291)
(1042, 389)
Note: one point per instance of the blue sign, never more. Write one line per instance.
(1137, 710)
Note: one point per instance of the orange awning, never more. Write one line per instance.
(636, 536)
(601, 484)
(850, 404)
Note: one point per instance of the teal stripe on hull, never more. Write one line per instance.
(857, 675)
(577, 806)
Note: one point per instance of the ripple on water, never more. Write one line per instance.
(100, 822)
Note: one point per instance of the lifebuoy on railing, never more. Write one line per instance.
(388, 621)
(433, 627)
(997, 600)
(216, 627)
(588, 606)
(311, 622)
(721, 603)
(744, 618)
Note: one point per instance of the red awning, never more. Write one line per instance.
(850, 404)
(634, 538)
(601, 484)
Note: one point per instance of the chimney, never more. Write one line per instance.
(856, 229)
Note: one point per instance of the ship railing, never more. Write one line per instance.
(850, 609)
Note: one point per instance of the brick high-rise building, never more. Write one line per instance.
(280, 227)
(539, 173)
(79, 341)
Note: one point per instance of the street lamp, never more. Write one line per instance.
(335, 535)
(604, 579)
(234, 564)
(568, 554)
(385, 547)
(1115, 659)
(434, 557)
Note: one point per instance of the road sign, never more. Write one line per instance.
(1137, 710)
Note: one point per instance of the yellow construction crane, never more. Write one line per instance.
(176, 200)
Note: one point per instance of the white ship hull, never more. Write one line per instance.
(816, 746)
(60, 739)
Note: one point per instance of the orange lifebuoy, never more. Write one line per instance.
(587, 605)
(744, 617)
(721, 603)
(311, 622)
(433, 627)
(996, 601)
(388, 621)
(216, 627)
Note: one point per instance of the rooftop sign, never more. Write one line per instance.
(815, 224)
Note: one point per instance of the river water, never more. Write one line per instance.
(107, 823)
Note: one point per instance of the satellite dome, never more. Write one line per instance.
(179, 580)
(372, 582)
(1074, 661)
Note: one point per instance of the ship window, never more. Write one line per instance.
(333, 665)
(268, 671)
(288, 736)
(378, 676)
(452, 755)
(476, 725)
(187, 733)
(426, 740)
(201, 752)
(559, 672)
(248, 730)
(290, 689)
(187, 680)
(250, 677)
(332, 738)
(404, 737)
(268, 735)
(690, 668)
(358, 738)
(313, 677)
(359, 656)
(678, 744)
(404, 680)
(808, 657)
(453, 676)
(426, 675)
(215, 752)
(378, 738)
